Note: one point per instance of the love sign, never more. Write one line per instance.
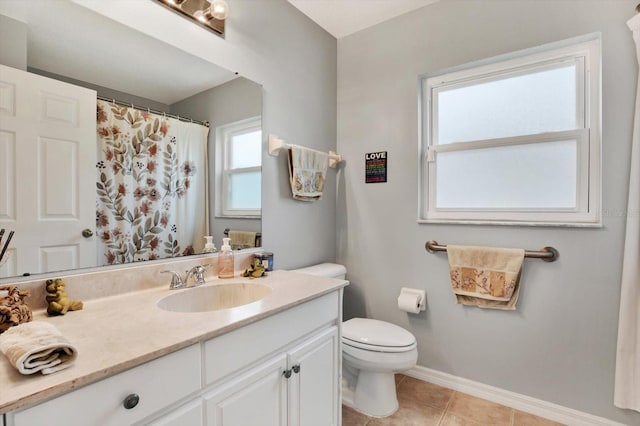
(375, 168)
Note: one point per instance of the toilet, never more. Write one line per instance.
(372, 351)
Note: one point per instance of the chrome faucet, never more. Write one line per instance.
(177, 282)
(198, 273)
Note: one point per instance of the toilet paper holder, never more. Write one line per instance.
(415, 293)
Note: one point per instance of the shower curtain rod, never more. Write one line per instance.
(147, 109)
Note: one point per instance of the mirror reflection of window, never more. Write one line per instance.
(239, 149)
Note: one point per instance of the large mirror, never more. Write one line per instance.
(168, 153)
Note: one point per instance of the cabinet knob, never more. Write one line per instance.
(286, 373)
(131, 401)
(296, 368)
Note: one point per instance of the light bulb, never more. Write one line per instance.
(199, 15)
(219, 9)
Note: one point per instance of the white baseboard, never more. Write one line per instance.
(520, 402)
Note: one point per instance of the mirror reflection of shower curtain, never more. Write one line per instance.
(151, 185)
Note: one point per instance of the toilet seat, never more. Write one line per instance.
(376, 336)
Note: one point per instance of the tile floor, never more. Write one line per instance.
(425, 404)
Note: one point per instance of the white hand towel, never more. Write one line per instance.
(37, 346)
(307, 171)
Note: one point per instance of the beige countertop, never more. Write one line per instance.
(122, 331)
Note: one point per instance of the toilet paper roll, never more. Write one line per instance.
(409, 302)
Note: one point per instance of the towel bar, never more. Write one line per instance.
(276, 144)
(548, 254)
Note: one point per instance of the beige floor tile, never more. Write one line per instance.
(411, 413)
(479, 410)
(399, 378)
(526, 419)
(453, 420)
(351, 417)
(423, 392)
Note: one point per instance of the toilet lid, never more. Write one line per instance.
(364, 332)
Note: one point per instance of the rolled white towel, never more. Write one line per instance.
(37, 346)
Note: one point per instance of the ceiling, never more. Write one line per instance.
(343, 17)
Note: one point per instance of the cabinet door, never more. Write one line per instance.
(313, 390)
(187, 415)
(257, 397)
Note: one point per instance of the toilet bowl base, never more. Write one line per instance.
(374, 394)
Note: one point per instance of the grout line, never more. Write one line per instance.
(446, 408)
(513, 416)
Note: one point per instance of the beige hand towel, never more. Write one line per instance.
(307, 171)
(37, 346)
(485, 276)
(242, 239)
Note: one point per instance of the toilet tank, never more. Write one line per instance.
(328, 270)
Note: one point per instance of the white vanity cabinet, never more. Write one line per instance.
(185, 415)
(298, 387)
(281, 370)
(314, 388)
(257, 397)
(156, 384)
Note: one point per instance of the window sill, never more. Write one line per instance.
(510, 223)
(237, 217)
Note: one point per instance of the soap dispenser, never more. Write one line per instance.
(209, 247)
(225, 260)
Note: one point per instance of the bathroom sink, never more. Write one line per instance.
(214, 297)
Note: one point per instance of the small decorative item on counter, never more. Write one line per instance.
(58, 300)
(256, 270)
(13, 310)
(266, 259)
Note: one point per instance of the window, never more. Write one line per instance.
(239, 168)
(514, 139)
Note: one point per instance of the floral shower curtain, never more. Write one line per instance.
(151, 186)
(627, 386)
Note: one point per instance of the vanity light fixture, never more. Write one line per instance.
(210, 14)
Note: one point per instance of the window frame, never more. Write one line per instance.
(224, 136)
(583, 51)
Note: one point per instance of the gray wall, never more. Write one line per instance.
(13, 43)
(560, 344)
(236, 100)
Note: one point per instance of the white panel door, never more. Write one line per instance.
(257, 397)
(47, 172)
(313, 387)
